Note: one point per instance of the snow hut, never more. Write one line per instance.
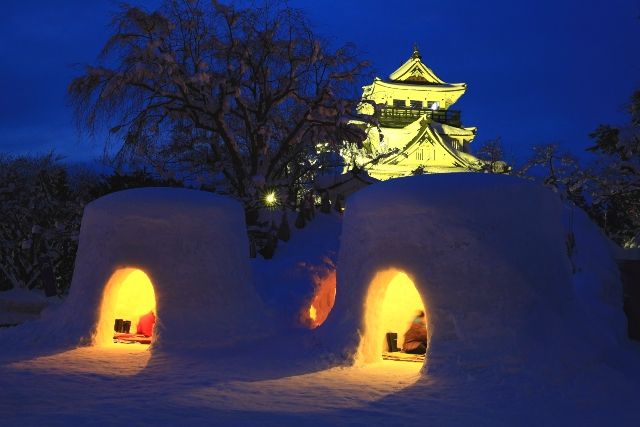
(344, 185)
(486, 257)
(180, 254)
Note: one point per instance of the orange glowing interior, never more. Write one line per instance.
(128, 295)
(391, 304)
(322, 301)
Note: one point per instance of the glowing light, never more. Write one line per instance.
(324, 297)
(400, 305)
(128, 295)
(390, 306)
(270, 199)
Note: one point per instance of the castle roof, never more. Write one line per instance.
(414, 71)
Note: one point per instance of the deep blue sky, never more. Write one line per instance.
(537, 71)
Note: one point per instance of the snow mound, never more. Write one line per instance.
(193, 248)
(21, 305)
(488, 255)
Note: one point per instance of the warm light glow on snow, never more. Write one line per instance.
(323, 298)
(391, 304)
(114, 361)
(128, 295)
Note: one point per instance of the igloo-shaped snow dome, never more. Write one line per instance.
(182, 254)
(484, 256)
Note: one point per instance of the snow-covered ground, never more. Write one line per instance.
(296, 377)
(91, 386)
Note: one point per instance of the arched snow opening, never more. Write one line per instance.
(391, 303)
(128, 295)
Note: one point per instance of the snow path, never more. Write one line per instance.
(309, 393)
(127, 386)
(94, 385)
(126, 360)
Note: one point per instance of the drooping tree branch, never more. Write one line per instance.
(256, 82)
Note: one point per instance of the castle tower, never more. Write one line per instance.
(418, 129)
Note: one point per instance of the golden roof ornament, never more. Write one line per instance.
(416, 52)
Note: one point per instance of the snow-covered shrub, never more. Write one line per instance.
(39, 222)
(41, 204)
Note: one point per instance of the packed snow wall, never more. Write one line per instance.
(490, 259)
(193, 248)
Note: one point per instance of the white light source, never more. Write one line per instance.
(270, 198)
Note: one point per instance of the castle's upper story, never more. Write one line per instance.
(414, 86)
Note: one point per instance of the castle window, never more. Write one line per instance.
(419, 155)
(433, 105)
(416, 104)
(399, 103)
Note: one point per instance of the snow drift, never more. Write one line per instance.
(488, 255)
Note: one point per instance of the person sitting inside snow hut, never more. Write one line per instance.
(415, 339)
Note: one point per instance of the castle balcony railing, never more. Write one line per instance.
(402, 116)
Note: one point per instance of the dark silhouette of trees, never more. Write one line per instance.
(41, 205)
(246, 93)
(608, 189)
(39, 223)
(615, 187)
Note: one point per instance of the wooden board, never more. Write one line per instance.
(131, 339)
(402, 357)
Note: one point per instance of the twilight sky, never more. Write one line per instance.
(537, 71)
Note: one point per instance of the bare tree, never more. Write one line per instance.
(560, 171)
(243, 92)
(492, 155)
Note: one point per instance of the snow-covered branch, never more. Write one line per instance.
(260, 84)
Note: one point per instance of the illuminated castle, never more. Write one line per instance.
(418, 132)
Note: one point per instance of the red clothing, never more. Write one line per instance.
(415, 335)
(145, 324)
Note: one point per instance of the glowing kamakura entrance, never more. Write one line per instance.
(129, 296)
(391, 305)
